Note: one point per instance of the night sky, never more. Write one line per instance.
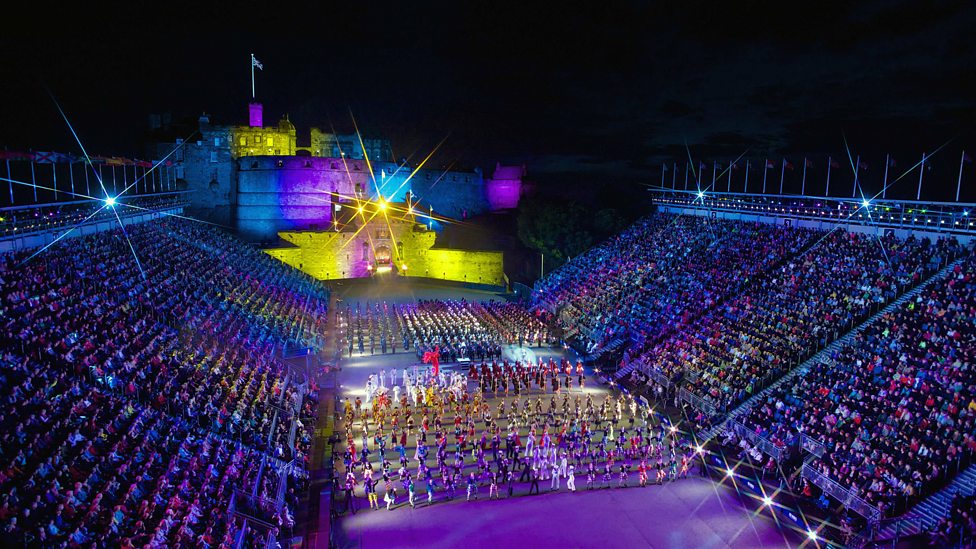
(606, 91)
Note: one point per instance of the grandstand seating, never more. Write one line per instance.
(139, 406)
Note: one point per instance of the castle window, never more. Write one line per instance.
(243, 141)
(213, 157)
(270, 141)
(216, 141)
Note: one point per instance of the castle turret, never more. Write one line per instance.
(255, 114)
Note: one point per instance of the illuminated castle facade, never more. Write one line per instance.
(257, 179)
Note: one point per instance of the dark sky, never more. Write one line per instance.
(606, 90)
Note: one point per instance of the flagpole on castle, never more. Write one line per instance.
(254, 63)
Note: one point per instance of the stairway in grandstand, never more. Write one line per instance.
(931, 510)
(746, 406)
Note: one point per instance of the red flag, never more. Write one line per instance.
(15, 155)
(433, 358)
(834, 164)
(770, 164)
(808, 163)
(788, 164)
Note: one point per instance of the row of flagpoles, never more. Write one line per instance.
(42, 157)
(152, 172)
(784, 164)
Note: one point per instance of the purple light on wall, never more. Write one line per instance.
(255, 115)
(504, 188)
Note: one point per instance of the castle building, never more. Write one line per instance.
(257, 179)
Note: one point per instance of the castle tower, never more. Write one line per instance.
(255, 114)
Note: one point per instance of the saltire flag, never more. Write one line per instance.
(665, 166)
(891, 162)
(787, 164)
(42, 157)
(967, 158)
(770, 164)
(256, 63)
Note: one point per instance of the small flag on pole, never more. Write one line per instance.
(770, 164)
(787, 164)
(256, 63)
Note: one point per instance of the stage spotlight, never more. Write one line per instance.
(699, 449)
(812, 535)
(110, 202)
(767, 501)
(866, 203)
(701, 195)
(729, 473)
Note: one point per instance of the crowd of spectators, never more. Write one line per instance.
(757, 335)
(661, 273)
(139, 397)
(894, 409)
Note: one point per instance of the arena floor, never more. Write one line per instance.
(689, 513)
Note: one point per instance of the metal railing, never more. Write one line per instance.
(768, 447)
(697, 402)
(846, 497)
(812, 445)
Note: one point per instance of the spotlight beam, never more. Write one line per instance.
(64, 234)
(153, 168)
(126, 234)
(36, 186)
(170, 214)
(78, 140)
